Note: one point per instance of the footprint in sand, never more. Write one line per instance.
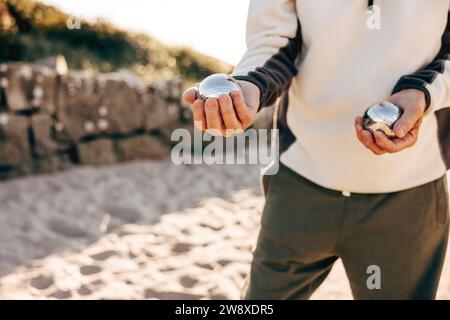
(188, 282)
(84, 291)
(181, 247)
(89, 270)
(212, 226)
(42, 282)
(219, 296)
(132, 255)
(152, 294)
(167, 269)
(224, 262)
(216, 294)
(97, 284)
(205, 266)
(60, 294)
(104, 255)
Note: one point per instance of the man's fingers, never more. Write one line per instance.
(213, 117)
(241, 108)
(407, 121)
(369, 142)
(407, 141)
(366, 138)
(385, 143)
(198, 109)
(359, 129)
(190, 95)
(398, 144)
(228, 114)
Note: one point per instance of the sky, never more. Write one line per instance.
(213, 27)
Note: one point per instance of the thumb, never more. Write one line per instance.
(406, 122)
(190, 95)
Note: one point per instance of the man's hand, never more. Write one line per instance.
(227, 115)
(412, 102)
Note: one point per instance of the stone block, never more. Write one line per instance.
(14, 144)
(141, 147)
(96, 152)
(121, 107)
(93, 105)
(169, 89)
(79, 101)
(51, 164)
(159, 113)
(44, 144)
(28, 86)
(10, 172)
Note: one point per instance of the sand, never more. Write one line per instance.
(143, 230)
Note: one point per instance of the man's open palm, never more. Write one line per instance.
(227, 115)
(412, 102)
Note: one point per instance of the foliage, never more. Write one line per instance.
(30, 30)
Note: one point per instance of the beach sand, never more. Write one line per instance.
(143, 230)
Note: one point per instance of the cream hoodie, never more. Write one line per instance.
(328, 66)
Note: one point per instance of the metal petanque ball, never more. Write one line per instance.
(217, 84)
(382, 117)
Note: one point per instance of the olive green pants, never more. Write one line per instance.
(392, 245)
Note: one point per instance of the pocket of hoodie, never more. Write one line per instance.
(442, 203)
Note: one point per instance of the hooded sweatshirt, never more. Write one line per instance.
(329, 61)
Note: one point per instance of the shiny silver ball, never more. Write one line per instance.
(217, 84)
(382, 117)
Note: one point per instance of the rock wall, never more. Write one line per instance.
(50, 121)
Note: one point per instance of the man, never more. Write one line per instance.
(383, 209)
